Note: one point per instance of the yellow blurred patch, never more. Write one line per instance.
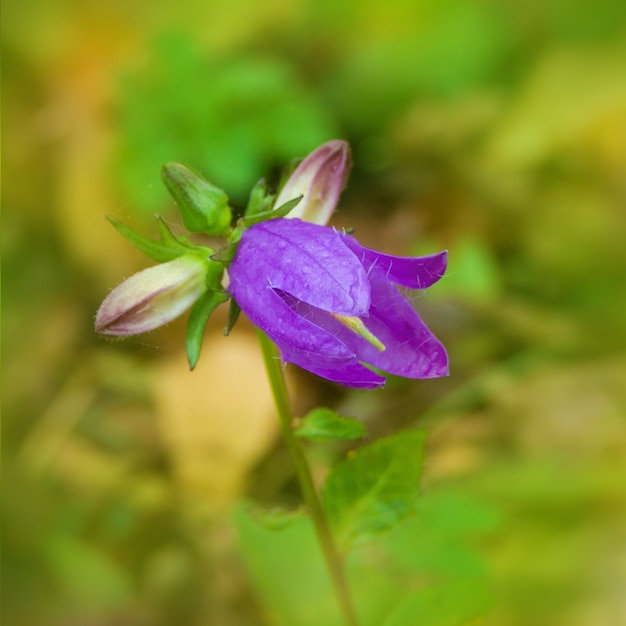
(218, 420)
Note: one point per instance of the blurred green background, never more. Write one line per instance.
(494, 129)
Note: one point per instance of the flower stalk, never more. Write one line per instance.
(333, 559)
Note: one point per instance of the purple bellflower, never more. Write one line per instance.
(332, 306)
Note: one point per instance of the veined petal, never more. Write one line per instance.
(267, 309)
(305, 260)
(412, 350)
(412, 272)
(344, 371)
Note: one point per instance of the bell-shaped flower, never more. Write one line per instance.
(332, 306)
(319, 179)
(153, 297)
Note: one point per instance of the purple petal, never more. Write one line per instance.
(412, 272)
(306, 260)
(267, 309)
(347, 372)
(299, 340)
(411, 348)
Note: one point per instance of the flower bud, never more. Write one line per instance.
(319, 178)
(153, 297)
(203, 206)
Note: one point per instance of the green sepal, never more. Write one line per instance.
(260, 200)
(162, 251)
(281, 211)
(196, 323)
(246, 222)
(226, 254)
(214, 276)
(203, 206)
(180, 242)
(233, 316)
(323, 424)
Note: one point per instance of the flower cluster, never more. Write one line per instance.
(332, 306)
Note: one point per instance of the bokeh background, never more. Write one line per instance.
(496, 130)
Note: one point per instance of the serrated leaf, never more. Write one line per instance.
(323, 424)
(159, 251)
(196, 323)
(375, 488)
(458, 603)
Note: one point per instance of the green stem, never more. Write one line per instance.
(334, 561)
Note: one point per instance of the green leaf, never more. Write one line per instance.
(375, 488)
(198, 317)
(458, 603)
(159, 251)
(203, 206)
(286, 568)
(325, 425)
(288, 572)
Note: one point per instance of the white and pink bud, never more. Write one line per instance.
(153, 297)
(319, 179)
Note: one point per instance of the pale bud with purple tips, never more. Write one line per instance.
(319, 179)
(153, 297)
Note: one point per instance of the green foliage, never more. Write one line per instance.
(231, 118)
(453, 47)
(435, 541)
(287, 568)
(475, 274)
(102, 582)
(322, 424)
(460, 603)
(391, 579)
(374, 488)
